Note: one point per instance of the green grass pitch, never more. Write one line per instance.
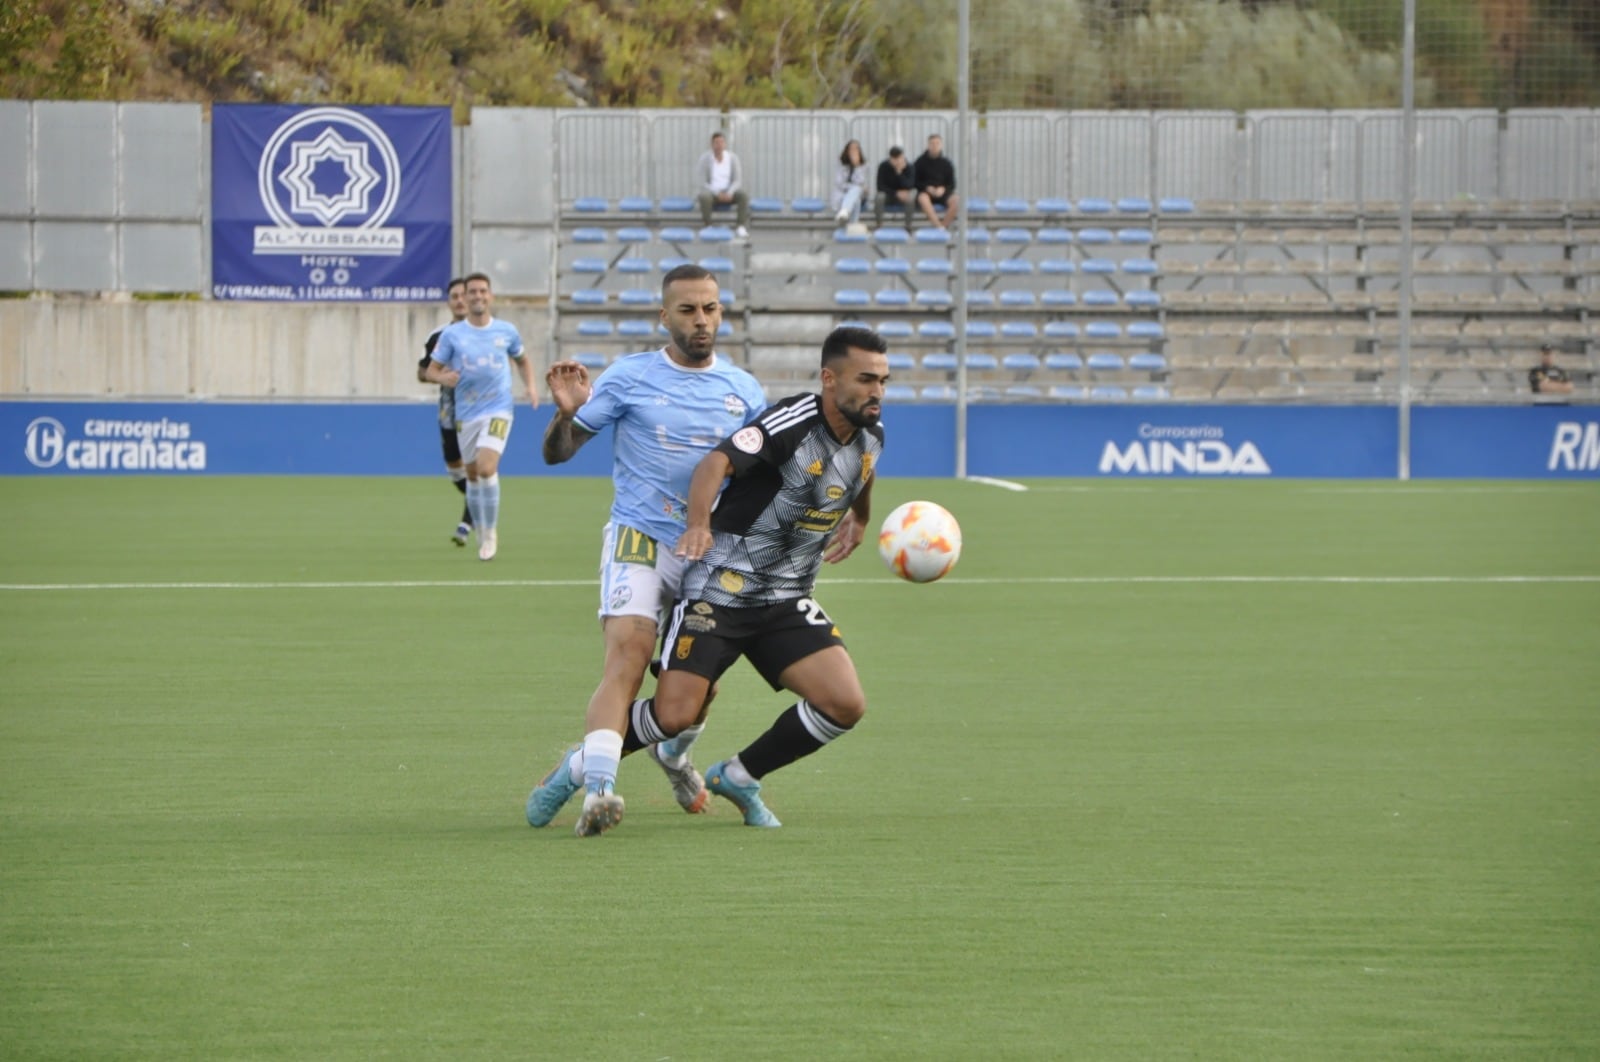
(1272, 770)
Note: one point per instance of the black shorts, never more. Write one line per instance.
(705, 639)
(452, 445)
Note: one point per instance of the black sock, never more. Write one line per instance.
(793, 735)
(461, 485)
(466, 511)
(643, 729)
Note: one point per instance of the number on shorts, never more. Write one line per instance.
(814, 614)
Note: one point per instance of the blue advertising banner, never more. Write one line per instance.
(1495, 442)
(1169, 440)
(330, 203)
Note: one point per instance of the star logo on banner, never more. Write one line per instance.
(306, 156)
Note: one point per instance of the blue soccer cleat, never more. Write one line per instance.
(552, 794)
(747, 798)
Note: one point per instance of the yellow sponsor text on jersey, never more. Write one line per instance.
(818, 520)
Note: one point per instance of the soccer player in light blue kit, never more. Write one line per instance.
(667, 408)
(472, 356)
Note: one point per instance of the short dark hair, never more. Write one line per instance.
(718, 133)
(843, 338)
(1547, 348)
(687, 271)
(896, 151)
(470, 277)
(456, 282)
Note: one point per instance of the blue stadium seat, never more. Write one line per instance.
(1146, 330)
(1067, 392)
(1135, 236)
(1140, 267)
(589, 265)
(980, 362)
(808, 205)
(1022, 236)
(588, 235)
(978, 205)
(980, 266)
(724, 330)
(1176, 204)
(715, 234)
(1054, 206)
(1094, 206)
(892, 235)
(852, 323)
(633, 234)
(1058, 298)
(852, 265)
(717, 264)
(677, 234)
(899, 362)
(635, 204)
(636, 329)
(1019, 330)
(1133, 204)
(1016, 267)
(1058, 267)
(633, 265)
(897, 330)
(1147, 361)
(1063, 362)
(1055, 236)
(979, 236)
(852, 297)
(983, 393)
(1097, 266)
(934, 298)
(590, 360)
(1024, 391)
(591, 204)
(765, 204)
(938, 393)
(642, 297)
(1095, 236)
(1020, 362)
(847, 236)
(1018, 300)
(1104, 361)
(1102, 330)
(588, 297)
(980, 297)
(677, 204)
(892, 297)
(1108, 393)
(1099, 298)
(940, 362)
(934, 266)
(594, 328)
(1151, 393)
(1011, 206)
(1143, 300)
(898, 392)
(933, 236)
(893, 267)
(981, 330)
(936, 330)
(1061, 329)
(728, 298)
(673, 261)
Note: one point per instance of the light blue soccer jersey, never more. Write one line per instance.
(479, 355)
(664, 417)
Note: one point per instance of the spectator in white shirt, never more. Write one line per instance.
(721, 181)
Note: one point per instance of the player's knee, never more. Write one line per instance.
(847, 710)
(677, 714)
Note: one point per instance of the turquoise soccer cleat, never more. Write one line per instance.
(747, 798)
(552, 794)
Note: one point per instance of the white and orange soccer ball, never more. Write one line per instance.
(920, 541)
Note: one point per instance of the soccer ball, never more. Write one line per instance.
(920, 541)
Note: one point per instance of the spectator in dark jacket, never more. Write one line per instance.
(936, 183)
(897, 186)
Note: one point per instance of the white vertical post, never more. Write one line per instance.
(1408, 180)
(962, 157)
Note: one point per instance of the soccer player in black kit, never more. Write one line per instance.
(456, 292)
(799, 488)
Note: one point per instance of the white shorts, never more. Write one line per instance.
(485, 433)
(638, 575)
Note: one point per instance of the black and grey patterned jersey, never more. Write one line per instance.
(792, 484)
(447, 395)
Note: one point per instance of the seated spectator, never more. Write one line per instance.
(721, 181)
(1547, 378)
(849, 184)
(936, 183)
(897, 186)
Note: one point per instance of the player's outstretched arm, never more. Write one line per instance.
(714, 468)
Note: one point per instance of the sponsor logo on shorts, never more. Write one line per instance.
(620, 597)
(634, 547)
(699, 624)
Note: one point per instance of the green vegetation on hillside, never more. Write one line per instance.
(1232, 54)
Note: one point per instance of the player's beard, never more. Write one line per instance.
(864, 415)
(691, 351)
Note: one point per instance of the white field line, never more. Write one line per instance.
(1059, 580)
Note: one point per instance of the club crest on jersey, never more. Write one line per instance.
(734, 405)
(748, 439)
(834, 493)
(732, 582)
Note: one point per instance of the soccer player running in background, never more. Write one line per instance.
(666, 407)
(472, 356)
(456, 294)
(802, 470)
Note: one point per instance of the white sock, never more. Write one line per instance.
(602, 752)
(490, 488)
(675, 752)
(475, 502)
(575, 767)
(736, 773)
(458, 475)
